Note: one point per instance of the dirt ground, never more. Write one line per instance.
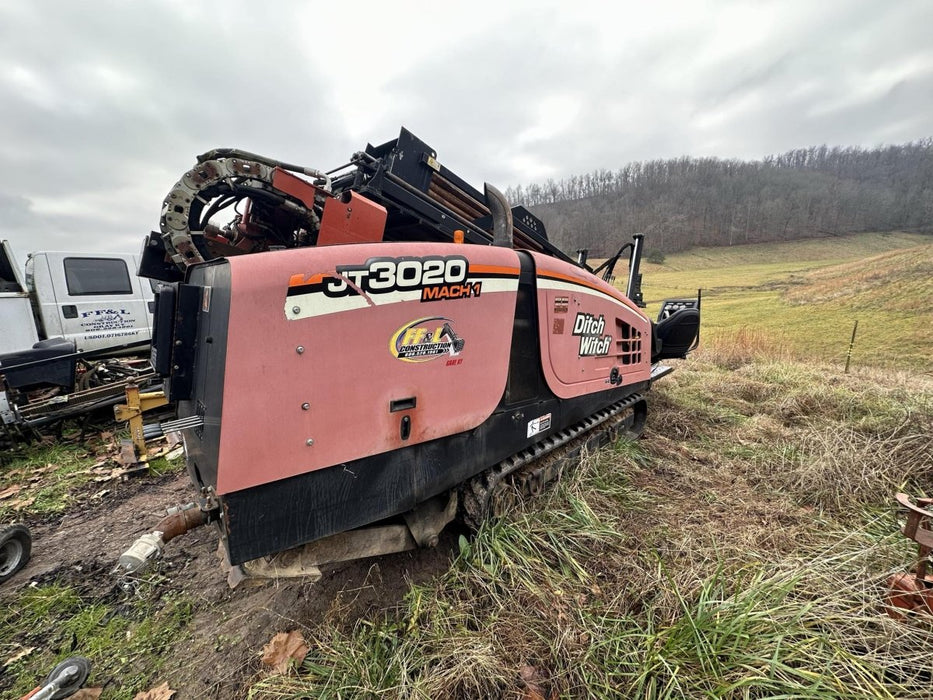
(230, 626)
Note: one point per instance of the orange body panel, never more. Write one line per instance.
(356, 220)
(290, 184)
(587, 328)
(322, 345)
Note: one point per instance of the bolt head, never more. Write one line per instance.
(300, 349)
(305, 406)
(296, 309)
(309, 442)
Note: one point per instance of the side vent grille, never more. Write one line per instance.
(628, 345)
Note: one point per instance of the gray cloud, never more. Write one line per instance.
(104, 105)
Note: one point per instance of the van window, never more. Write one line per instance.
(97, 276)
(8, 282)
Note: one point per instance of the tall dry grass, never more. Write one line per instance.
(733, 349)
(738, 551)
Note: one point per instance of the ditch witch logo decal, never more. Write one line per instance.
(425, 339)
(590, 330)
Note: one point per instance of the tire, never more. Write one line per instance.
(15, 550)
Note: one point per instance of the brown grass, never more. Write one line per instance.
(733, 349)
(900, 280)
(740, 550)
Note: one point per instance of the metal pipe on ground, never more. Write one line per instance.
(149, 547)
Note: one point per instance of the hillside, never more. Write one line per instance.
(800, 300)
(688, 202)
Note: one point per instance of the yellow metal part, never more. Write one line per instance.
(132, 411)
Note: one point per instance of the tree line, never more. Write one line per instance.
(684, 202)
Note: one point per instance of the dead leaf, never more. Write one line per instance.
(115, 473)
(533, 679)
(19, 655)
(162, 692)
(282, 648)
(21, 503)
(87, 694)
(10, 491)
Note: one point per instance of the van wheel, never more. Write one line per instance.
(15, 549)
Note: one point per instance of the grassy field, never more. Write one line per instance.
(800, 300)
(739, 550)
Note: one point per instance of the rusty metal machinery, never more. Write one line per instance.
(913, 592)
(134, 452)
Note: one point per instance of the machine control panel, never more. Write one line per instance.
(670, 306)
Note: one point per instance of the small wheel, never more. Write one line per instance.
(15, 549)
(79, 669)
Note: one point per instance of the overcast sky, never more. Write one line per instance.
(103, 105)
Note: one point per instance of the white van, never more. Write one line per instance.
(96, 300)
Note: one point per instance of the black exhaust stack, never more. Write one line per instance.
(501, 216)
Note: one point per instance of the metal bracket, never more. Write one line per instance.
(133, 453)
(7, 414)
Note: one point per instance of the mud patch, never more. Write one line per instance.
(222, 642)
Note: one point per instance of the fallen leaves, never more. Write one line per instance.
(107, 474)
(86, 694)
(21, 503)
(10, 491)
(282, 649)
(161, 692)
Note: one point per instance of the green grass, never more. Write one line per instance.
(128, 639)
(821, 251)
(739, 551)
(801, 300)
(49, 476)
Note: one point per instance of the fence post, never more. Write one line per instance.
(851, 343)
